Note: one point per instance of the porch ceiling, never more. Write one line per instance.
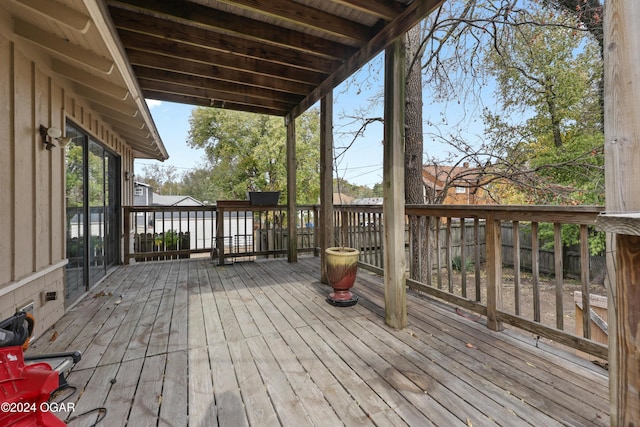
(276, 57)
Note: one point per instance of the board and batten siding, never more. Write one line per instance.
(32, 179)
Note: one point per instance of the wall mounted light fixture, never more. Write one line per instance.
(53, 133)
(48, 135)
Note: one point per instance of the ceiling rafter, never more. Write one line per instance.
(301, 15)
(60, 46)
(271, 57)
(215, 72)
(213, 94)
(204, 102)
(167, 31)
(59, 12)
(383, 9)
(181, 51)
(231, 91)
(195, 14)
(87, 79)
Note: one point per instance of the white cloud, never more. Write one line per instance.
(153, 103)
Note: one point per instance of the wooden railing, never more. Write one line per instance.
(491, 260)
(168, 232)
(457, 254)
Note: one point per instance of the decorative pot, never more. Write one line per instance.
(342, 266)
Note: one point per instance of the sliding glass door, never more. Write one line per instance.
(92, 183)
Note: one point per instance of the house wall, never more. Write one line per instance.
(32, 186)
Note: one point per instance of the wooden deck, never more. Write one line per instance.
(186, 342)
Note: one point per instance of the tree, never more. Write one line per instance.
(164, 179)
(548, 72)
(247, 152)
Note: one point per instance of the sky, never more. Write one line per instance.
(361, 163)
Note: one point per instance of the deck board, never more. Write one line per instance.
(187, 342)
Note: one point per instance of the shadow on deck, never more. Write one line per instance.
(186, 342)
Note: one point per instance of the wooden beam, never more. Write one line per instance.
(292, 205)
(167, 30)
(89, 80)
(398, 27)
(217, 95)
(622, 150)
(130, 132)
(59, 12)
(218, 58)
(206, 102)
(303, 16)
(110, 112)
(179, 81)
(383, 9)
(326, 181)
(94, 96)
(190, 13)
(395, 298)
(132, 122)
(61, 46)
(216, 73)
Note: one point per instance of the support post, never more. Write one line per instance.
(622, 151)
(393, 186)
(628, 331)
(326, 181)
(127, 235)
(494, 272)
(292, 206)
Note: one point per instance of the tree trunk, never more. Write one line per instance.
(413, 147)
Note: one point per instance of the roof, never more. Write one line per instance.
(160, 200)
(76, 38)
(274, 57)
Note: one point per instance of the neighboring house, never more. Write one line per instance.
(142, 194)
(461, 185)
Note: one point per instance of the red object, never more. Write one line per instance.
(25, 391)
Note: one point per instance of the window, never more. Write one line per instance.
(461, 190)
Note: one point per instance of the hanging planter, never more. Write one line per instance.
(342, 267)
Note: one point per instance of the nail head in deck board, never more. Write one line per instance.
(122, 393)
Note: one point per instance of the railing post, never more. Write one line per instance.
(219, 249)
(127, 234)
(494, 272)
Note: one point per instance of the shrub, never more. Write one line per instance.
(456, 263)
